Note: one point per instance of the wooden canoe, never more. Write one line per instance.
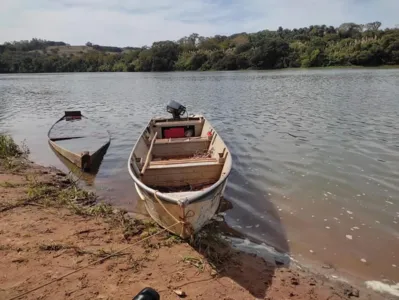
(180, 179)
(79, 140)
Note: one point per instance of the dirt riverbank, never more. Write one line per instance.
(49, 227)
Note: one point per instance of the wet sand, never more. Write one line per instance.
(40, 243)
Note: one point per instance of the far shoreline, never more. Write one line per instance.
(383, 67)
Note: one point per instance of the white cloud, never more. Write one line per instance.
(137, 23)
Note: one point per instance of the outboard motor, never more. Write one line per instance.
(176, 109)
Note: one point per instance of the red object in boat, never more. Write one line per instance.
(69, 118)
(174, 133)
(209, 133)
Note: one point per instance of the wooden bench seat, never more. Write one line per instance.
(181, 172)
(180, 146)
(182, 161)
(195, 139)
(180, 164)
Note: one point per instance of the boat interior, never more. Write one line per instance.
(179, 155)
(77, 134)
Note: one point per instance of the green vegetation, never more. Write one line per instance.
(12, 156)
(195, 261)
(8, 148)
(7, 184)
(315, 46)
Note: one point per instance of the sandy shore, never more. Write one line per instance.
(49, 228)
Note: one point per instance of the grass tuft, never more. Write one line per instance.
(195, 261)
(171, 240)
(12, 156)
(8, 148)
(53, 247)
(7, 184)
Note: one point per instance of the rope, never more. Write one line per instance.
(163, 206)
(183, 221)
(90, 264)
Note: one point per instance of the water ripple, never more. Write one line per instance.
(311, 142)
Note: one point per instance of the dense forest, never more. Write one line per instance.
(315, 46)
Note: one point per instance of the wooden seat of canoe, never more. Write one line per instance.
(164, 148)
(183, 163)
(196, 139)
(184, 160)
(182, 172)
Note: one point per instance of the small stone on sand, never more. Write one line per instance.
(363, 260)
(394, 266)
(327, 227)
(180, 293)
(348, 236)
(349, 212)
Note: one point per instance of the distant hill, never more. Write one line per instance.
(67, 50)
(350, 44)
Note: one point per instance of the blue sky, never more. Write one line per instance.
(138, 23)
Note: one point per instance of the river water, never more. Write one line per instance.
(316, 152)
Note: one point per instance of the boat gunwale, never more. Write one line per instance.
(199, 195)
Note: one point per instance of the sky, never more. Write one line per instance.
(139, 23)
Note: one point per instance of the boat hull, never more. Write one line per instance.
(84, 161)
(188, 218)
(76, 159)
(180, 179)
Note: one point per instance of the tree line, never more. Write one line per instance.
(349, 44)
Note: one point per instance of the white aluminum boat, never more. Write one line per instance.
(180, 168)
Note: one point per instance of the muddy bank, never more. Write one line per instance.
(49, 227)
